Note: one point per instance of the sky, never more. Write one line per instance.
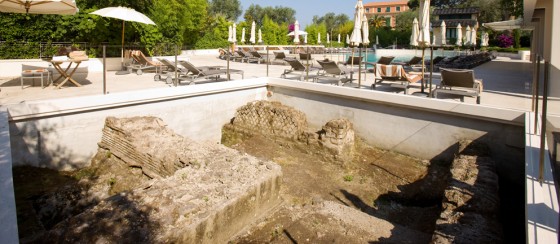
(306, 9)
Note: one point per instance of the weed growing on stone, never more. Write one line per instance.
(348, 178)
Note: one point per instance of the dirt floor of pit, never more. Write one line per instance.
(402, 190)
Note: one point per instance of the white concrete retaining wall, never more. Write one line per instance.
(8, 218)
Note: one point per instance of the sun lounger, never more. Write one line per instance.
(257, 56)
(197, 72)
(352, 60)
(459, 82)
(297, 68)
(331, 69)
(182, 72)
(396, 75)
(413, 61)
(279, 57)
(386, 60)
(142, 63)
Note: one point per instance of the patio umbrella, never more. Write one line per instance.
(468, 35)
(319, 38)
(234, 33)
(424, 32)
(484, 39)
(473, 36)
(252, 38)
(328, 38)
(260, 37)
(376, 40)
(243, 35)
(356, 37)
(338, 37)
(443, 33)
(62, 7)
(305, 39)
(229, 39)
(124, 14)
(296, 32)
(365, 41)
(414, 35)
(459, 35)
(347, 39)
(300, 33)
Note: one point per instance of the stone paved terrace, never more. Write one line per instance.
(507, 82)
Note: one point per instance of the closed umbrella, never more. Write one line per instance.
(443, 33)
(414, 35)
(473, 36)
(260, 37)
(319, 38)
(459, 35)
(124, 14)
(243, 35)
(252, 38)
(296, 32)
(468, 36)
(356, 37)
(365, 41)
(424, 32)
(347, 39)
(229, 39)
(376, 40)
(484, 39)
(338, 37)
(234, 33)
(328, 38)
(61, 7)
(305, 39)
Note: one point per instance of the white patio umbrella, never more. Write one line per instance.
(414, 35)
(459, 35)
(347, 39)
(443, 33)
(234, 33)
(305, 39)
(328, 38)
(356, 37)
(61, 7)
(243, 35)
(484, 39)
(424, 32)
(433, 38)
(424, 23)
(376, 40)
(338, 37)
(300, 33)
(229, 39)
(253, 30)
(473, 36)
(260, 37)
(124, 14)
(296, 32)
(319, 38)
(365, 41)
(468, 36)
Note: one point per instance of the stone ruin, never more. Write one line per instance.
(279, 121)
(471, 203)
(186, 192)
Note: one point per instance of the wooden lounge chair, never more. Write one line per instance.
(297, 68)
(331, 69)
(396, 75)
(142, 63)
(196, 72)
(459, 82)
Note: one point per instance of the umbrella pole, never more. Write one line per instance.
(122, 47)
(423, 69)
(365, 66)
(431, 69)
(359, 68)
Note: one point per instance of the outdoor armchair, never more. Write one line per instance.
(396, 75)
(459, 82)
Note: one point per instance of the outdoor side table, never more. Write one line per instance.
(64, 72)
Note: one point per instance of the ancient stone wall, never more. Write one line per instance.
(471, 201)
(271, 118)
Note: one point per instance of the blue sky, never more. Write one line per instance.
(306, 9)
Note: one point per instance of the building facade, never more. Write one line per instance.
(387, 10)
(467, 17)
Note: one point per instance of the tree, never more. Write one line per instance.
(332, 22)
(404, 20)
(274, 33)
(231, 9)
(277, 14)
(216, 35)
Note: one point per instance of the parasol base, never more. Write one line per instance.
(420, 94)
(123, 72)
